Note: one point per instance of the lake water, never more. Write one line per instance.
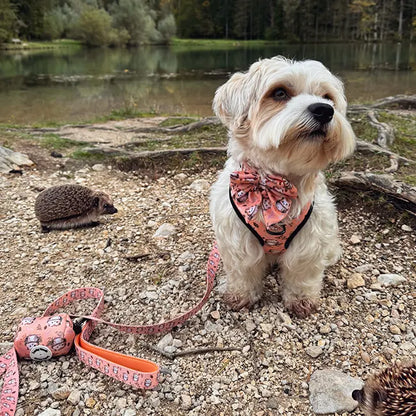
(76, 85)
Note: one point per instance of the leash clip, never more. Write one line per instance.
(78, 324)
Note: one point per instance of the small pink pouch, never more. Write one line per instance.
(45, 337)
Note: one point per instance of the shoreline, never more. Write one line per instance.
(24, 46)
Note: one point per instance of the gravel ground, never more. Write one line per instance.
(361, 326)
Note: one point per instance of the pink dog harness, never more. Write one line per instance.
(271, 196)
(53, 335)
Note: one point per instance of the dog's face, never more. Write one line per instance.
(287, 113)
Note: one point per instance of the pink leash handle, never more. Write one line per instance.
(137, 372)
(10, 390)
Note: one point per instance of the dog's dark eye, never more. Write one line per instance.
(279, 94)
(327, 97)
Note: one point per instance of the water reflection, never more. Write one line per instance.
(72, 85)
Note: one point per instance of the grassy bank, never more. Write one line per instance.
(60, 43)
(218, 43)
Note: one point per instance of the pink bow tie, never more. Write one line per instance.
(272, 194)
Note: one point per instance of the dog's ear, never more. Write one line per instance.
(233, 99)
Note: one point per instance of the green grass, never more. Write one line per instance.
(175, 121)
(362, 128)
(206, 136)
(404, 131)
(86, 155)
(188, 44)
(53, 141)
(404, 144)
(59, 43)
(123, 114)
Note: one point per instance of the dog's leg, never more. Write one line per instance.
(245, 276)
(301, 287)
(302, 267)
(314, 249)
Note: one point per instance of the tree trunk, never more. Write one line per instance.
(400, 29)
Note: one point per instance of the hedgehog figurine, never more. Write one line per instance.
(389, 393)
(71, 206)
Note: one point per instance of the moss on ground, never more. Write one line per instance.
(405, 132)
(177, 121)
(362, 127)
(53, 141)
(404, 125)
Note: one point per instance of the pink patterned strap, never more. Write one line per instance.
(135, 371)
(131, 370)
(10, 391)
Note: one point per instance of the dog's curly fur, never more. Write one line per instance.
(267, 112)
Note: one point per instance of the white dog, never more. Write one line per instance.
(286, 122)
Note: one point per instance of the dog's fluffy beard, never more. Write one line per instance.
(268, 114)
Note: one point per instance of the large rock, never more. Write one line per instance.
(330, 391)
(165, 230)
(12, 161)
(390, 279)
(50, 412)
(200, 185)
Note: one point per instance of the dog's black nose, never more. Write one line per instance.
(321, 112)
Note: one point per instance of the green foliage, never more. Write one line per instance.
(137, 22)
(8, 21)
(194, 19)
(95, 22)
(135, 17)
(167, 27)
(54, 24)
(294, 20)
(94, 27)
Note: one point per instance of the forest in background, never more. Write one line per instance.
(135, 22)
(94, 22)
(297, 20)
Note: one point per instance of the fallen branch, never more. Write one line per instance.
(402, 194)
(157, 154)
(365, 147)
(385, 131)
(209, 121)
(174, 355)
(397, 101)
(401, 101)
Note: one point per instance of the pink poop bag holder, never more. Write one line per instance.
(53, 334)
(43, 338)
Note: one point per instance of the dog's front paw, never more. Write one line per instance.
(237, 302)
(302, 308)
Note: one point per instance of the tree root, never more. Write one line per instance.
(209, 121)
(402, 194)
(365, 147)
(400, 101)
(385, 131)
